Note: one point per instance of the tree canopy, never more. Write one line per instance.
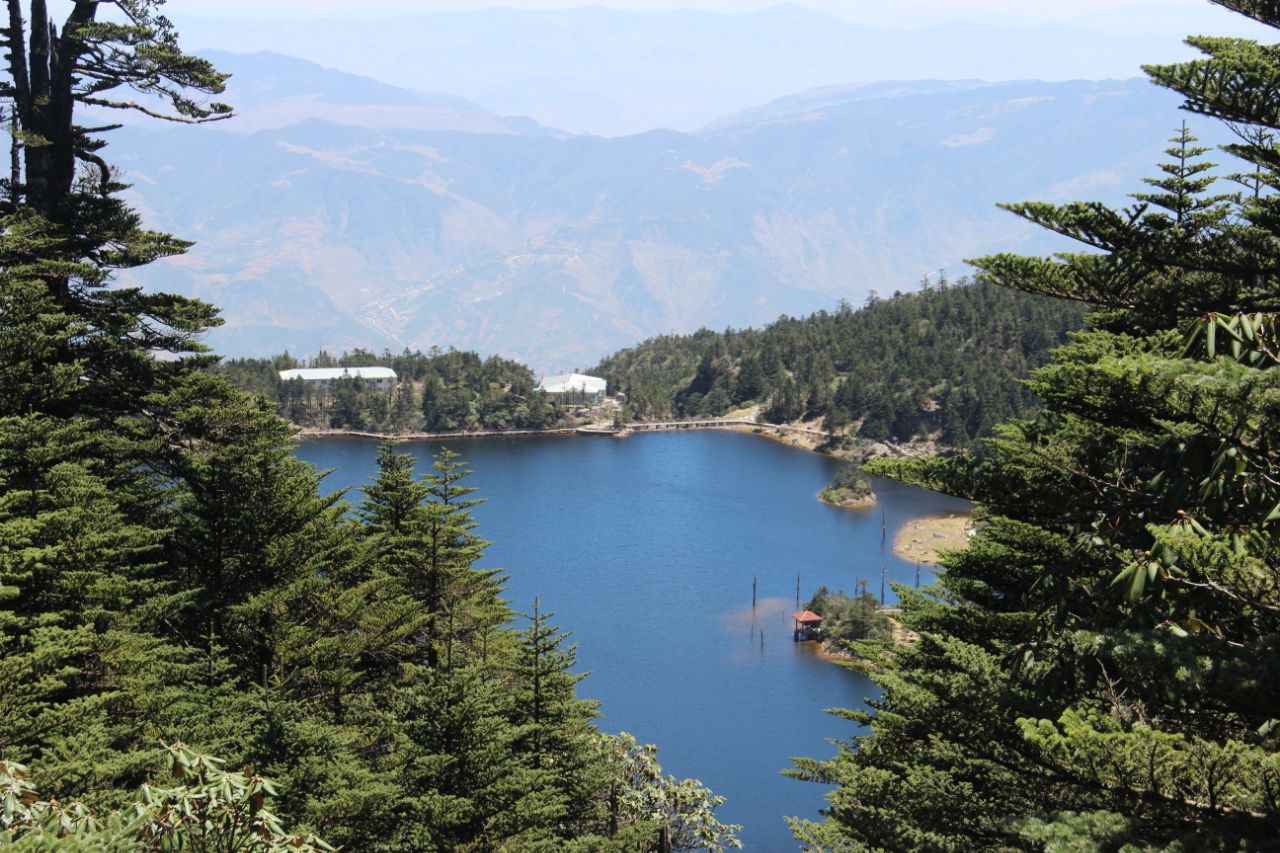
(1097, 669)
(435, 391)
(944, 363)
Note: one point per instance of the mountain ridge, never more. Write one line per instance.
(837, 95)
(556, 249)
(271, 90)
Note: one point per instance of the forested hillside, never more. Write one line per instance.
(174, 587)
(1098, 669)
(945, 363)
(439, 391)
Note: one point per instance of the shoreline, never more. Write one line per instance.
(397, 437)
(844, 658)
(800, 438)
(921, 539)
(792, 436)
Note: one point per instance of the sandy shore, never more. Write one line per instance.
(922, 538)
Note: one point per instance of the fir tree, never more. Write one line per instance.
(1096, 666)
(463, 599)
(468, 787)
(557, 724)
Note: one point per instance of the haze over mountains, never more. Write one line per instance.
(343, 212)
(613, 72)
(272, 91)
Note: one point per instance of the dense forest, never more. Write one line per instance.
(945, 363)
(1098, 669)
(942, 363)
(198, 650)
(437, 391)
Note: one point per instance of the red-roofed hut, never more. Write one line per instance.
(808, 625)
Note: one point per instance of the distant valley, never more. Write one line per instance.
(337, 211)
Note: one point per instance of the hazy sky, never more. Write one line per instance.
(900, 11)
(845, 8)
(647, 74)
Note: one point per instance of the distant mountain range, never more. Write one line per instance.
(613, 72)
(338, 211)
(271, 91)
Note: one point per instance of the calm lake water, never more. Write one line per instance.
(646, 548)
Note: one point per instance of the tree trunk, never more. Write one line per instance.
(43, 76)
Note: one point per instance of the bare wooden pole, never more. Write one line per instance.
(884, 571)
(753, 592)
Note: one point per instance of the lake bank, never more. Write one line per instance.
(802, 438)
(796, 435)
(401, 437)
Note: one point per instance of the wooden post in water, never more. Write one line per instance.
(797, 590)
(761, 641)
(883, 527)
(753, 592)
(884, 571)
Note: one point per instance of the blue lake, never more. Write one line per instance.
(646, 549)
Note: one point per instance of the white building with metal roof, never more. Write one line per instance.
(591, 388)
(378, 377)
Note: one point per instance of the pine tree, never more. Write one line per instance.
(558, 736)
(1097, 665)
(62, 221)
(83, 593)
(464, 600)
(468, 788)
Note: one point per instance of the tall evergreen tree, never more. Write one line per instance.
(62, 219)
(558, 734)
(463, 598)
(1097, 668)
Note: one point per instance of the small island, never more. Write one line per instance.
(849, 619)
(848, 489)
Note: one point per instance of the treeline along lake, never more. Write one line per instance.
(646, 548)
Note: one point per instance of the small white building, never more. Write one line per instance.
(590, 388)
(378, 377)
